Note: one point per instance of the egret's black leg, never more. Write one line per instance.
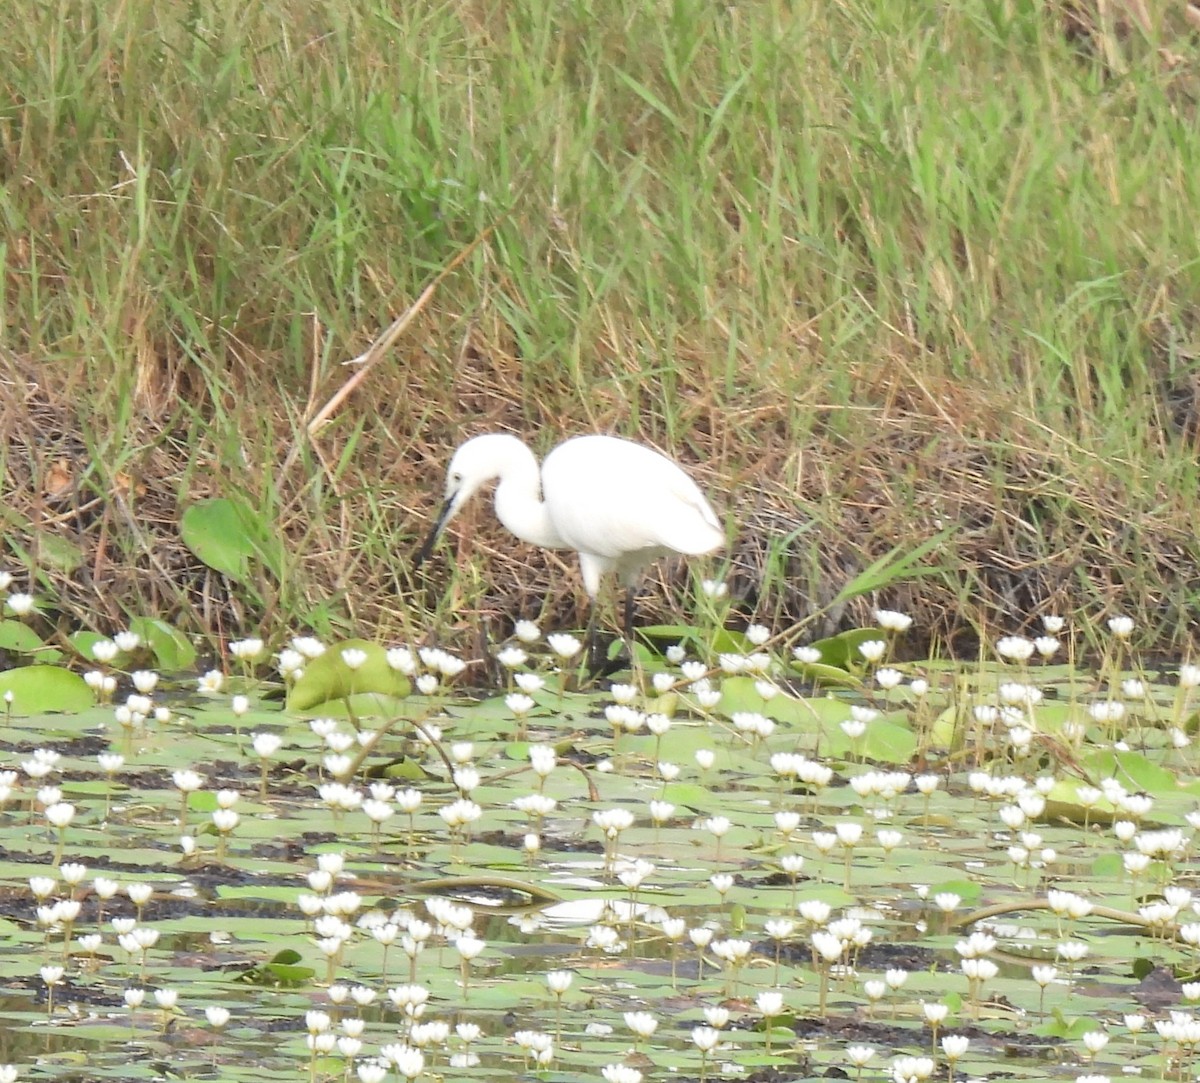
(595, 652)
(630, 654)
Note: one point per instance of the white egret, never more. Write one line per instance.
(618, 504)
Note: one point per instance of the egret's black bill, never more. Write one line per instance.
(424, 552)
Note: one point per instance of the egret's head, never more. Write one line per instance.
(472, 466)
(475, 463)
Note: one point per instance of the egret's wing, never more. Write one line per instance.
(613, 497)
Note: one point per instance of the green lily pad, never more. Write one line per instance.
(328, 680)
(19, 637)
(173, 651)
(37, 689)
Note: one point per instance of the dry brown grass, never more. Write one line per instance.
(1035, 527)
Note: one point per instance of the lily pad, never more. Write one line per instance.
(328, 680)
(173, 651)
(38, 689)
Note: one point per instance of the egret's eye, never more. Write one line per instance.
(456, 478)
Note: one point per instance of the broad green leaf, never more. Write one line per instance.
(805, 712)
(1132, 769)
(944, 728)
(224, 535)
(689, 796)
(18, 637)
(173, 651)
(889, 741)
(1051, 717)
(36, 689)
(327, 679)
(828, 676)
(83, 641)
(1062, 802)
(1072, 1027)
(1108, 867)
(967, 890)
(284, 970)
(284, 893)
(405, 770)
(841, 651)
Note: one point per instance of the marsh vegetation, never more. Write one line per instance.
(909, 288)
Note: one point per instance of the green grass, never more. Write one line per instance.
(880, 265)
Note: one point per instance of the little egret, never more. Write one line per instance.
(618, 504)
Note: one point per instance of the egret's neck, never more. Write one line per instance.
(519, 503)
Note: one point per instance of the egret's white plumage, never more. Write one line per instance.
(618, 504)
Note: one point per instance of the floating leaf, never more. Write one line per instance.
(1062, 803)
(284, 970)
(328, 680)
(889, 741)
(805, 714)
(1052, 717)
(841, 651)
(44, 688)
(942, 731)
(403, 769)
(829, 676)
(467, 887)
(1108, 868)
(83, 642)
(1061, 1025)
(19, 637)
(1132, 769)
(666, 634)
(967, 890)
(173, 651)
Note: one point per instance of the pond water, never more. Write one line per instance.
(758, 880)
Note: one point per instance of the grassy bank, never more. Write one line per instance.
(876, 269)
